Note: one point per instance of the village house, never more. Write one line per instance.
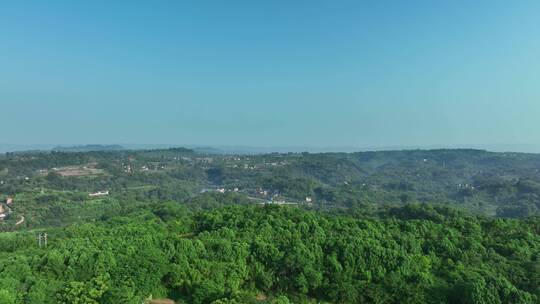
(2, 214)
(9, 200)
(99, 193)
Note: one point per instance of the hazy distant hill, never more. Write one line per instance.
(88, 148)
(208, 150)
(5, 147)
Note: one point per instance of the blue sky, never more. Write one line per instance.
(270, 73)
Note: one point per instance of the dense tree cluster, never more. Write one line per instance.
(270, 254)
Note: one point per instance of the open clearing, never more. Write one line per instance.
(80, 170)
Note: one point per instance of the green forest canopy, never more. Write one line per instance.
(257, 254)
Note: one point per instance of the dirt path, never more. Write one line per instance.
(20, 221)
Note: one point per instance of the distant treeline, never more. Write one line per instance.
(495, 184)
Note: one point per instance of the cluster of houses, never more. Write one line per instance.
(276, 197)
(276, 201)
(245, 166)
(279, 202)
(255, 167)
(466, 186)
(128, 168)
(275, 164)
(223, 190)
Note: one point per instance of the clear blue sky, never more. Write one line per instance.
(270, 73)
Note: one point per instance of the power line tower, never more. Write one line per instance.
(42, 239)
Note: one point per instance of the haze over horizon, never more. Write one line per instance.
(246, 149)
(276, 74)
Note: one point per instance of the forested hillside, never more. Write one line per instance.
(494, 184)
(440, 226)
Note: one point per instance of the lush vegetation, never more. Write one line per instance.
(256, 254)
(497, 184)
(442, 226)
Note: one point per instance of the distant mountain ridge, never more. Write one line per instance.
(88, 148)
(240, 149)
